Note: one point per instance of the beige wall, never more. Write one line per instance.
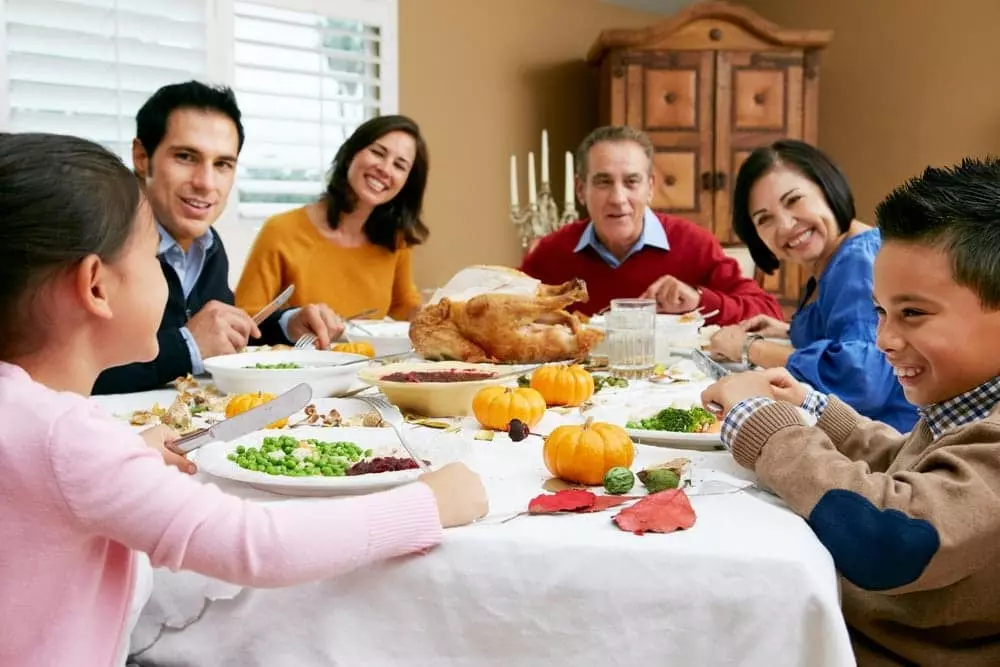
(905, 83)
(483, 78)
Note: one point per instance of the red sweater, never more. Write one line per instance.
(695, 257)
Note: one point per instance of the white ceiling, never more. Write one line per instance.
(657, 6)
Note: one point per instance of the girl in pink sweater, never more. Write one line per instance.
(81, 290)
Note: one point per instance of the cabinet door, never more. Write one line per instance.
(669, 95)
(759, 99)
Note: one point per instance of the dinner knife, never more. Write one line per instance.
(252, 420)
(278, 302)
(709, 366)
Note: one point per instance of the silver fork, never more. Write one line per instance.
(306, 342)
(394, 418)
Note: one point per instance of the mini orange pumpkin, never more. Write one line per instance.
(584, 453)
(495, 406)
(563, 385)
(364, 349)
(243, 402)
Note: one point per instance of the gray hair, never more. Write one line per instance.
(612, 133)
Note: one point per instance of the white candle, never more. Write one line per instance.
(569, 180)
(545, 157)
(513, 181)
(532, 195)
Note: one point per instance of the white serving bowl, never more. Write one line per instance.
(231, 375)
(386, 337)
(678, 331)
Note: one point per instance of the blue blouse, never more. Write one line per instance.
(834, 338)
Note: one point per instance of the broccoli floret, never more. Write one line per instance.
(703, 419)
(668, 419)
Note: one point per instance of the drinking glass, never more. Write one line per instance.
(631, 332)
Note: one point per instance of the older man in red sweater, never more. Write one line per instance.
(627, 250)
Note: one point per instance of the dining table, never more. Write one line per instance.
(748, 584)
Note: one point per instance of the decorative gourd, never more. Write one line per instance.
(496, 406)
(243, 402)
(585, 453)
(563, 385)
(619, 480)
(364, 349)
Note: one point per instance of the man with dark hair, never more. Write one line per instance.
(912, 521)
(188, 139)
(627, 250)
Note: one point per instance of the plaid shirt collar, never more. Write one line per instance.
(971, 406)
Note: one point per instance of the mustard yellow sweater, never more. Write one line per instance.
(289, 250)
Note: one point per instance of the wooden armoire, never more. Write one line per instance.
(709, 85)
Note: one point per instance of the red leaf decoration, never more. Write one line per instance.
(662, 512)
(568, 500)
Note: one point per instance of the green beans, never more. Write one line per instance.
(285, 455)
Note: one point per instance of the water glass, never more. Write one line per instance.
(631, 335)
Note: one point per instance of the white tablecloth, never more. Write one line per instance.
(748, 585)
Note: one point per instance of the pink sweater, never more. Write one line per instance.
(78, 490)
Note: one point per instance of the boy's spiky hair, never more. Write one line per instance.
(956, 209)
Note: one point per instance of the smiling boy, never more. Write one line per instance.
(912, 522)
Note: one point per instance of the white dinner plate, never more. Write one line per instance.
(431, 445)
(697, 441)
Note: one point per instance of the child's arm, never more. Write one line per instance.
(907, 531)
(114, 485)
(857, 437)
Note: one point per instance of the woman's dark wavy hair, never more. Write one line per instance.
(62, 199)
(809, 161)
(397, 219)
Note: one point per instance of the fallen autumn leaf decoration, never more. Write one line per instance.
(662, 512)
(573, 500)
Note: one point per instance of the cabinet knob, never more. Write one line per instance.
(715, 34)
(670, 180)
(707, 180)
(670, 98)
(758, 99)
(720, 180)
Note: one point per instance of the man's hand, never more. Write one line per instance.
(672, 296)
(219, 328)
(765, 326)
(318, 320)
(728, 342)
(159, 438)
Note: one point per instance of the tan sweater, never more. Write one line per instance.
(913, 525)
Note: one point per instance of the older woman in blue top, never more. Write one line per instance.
(791, 203)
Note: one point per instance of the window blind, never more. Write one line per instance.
(84, 67)
(305, 81)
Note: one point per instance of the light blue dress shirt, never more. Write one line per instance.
(653, 236)
(188, 266)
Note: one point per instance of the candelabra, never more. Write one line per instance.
(541, 217)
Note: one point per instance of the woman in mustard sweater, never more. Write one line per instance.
(351, 249)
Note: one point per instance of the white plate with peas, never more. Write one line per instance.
(318, 461)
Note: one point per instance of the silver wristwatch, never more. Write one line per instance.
(747, 342)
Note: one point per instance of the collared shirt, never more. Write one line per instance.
(189, 266)
(653, 236)
(971, 406)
